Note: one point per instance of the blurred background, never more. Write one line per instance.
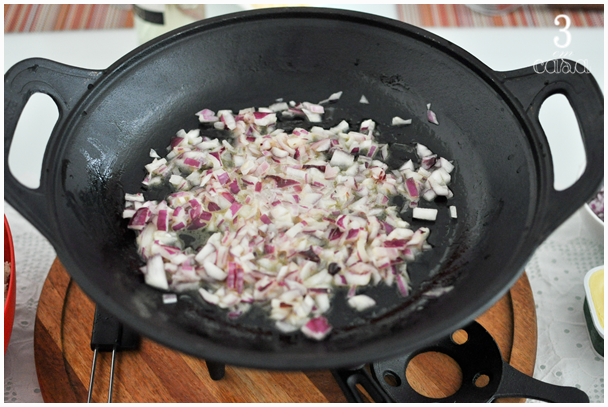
(49, 17)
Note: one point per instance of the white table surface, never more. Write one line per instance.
(556, 270)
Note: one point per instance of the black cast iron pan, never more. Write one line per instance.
(109, 119)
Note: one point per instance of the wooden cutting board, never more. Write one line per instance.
(154, 373)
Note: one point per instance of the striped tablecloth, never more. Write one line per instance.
(527, 15)
(48, 17)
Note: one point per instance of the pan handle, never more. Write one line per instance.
(513, 383)
(532, 86)
(66, 85)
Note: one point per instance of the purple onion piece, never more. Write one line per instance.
(317, 328)
(431, 116)
(283, 182)
(212, 206)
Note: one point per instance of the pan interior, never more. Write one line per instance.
(145, 99)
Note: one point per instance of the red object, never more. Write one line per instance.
(9, 303)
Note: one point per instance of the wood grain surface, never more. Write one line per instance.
(154, 373)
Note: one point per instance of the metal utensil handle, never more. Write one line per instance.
(66, 85)
(516, 384)
(532, 86)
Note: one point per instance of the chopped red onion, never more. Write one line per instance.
(313, 108)
(162, 222)
(214, 271)
(234, 187)
(317, 328)
(155, 273)
(291, 214)
(361, 302)
(135, 197)
(207, 116)
(213, 207)
(341, 159)
(169, 298)
(227, 118)
(425, 213)
(431, 116)
(282, 182)
(402, 285)
(423, 151)
(176, 141)
(128, 213)
(332, 98)
(235, 208)
(222, 176)
(429, 161)
(398, 121)
(139, 219)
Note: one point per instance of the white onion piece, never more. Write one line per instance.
(312, 116)
(278, 107)
(128, 213)
(361, 302)
(437, 291)
(279, 153)
(228, 119)
(453, 213)
(214, 271)
(341, 159)
(169, 298)
(398, 121)
(332, 98)
(156, 164)
(209, 297)
(425, 213)
(432, 117)
(446, 165)
(286, 327)
(363, 100)
(155, 273)
(423, 151)
(312, 107)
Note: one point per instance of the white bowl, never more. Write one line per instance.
(593, 320)
(592, 306)
(593, 225)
